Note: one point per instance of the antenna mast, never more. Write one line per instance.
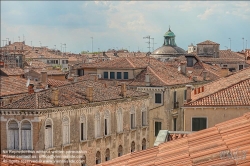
(148, 37)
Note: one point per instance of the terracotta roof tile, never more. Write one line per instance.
(11, 71)
(214, 146)
(207, 42)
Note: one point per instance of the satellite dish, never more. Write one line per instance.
(28, 82)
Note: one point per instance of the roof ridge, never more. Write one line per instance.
(130, 62)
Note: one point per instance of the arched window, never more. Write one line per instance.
(132, 146)
(106, 123)
(107, 155)
(98, 157)
(144, 115)
(26, 136)
(119, 120)
(83, 128)
(66, 162)
(48, 134)
(132, 118)
(120, 151)
(13, 135)
(97, 125)
(66, 134)
(143, 144)
(83, 160)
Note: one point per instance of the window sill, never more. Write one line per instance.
(106, 136)
(66, 145)
(98, 137)
(144, 126)
(133, 129)
(49, 149)
(83, 141)
(121, 132)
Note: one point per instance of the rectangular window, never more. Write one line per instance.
(125, 75)
(199, 124)
(106, 127)
(144, 119)
(157, 128)
(82, 131)
(132, 118)
(112, 75)
(157, 97)
(174, 123)
(240, 67)
(105, 75)
(185, 94)
(176, 104)
(119, 75)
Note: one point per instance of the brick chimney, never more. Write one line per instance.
(44, 77)
(204, 75)
(54, 96)
(31, 89)
(195, 78)
(189, 90)
(123, 90)
(147, 79)
(89, 93)
(183, 68)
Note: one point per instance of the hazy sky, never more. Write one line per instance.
(123, 24)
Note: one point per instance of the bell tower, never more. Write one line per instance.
(169, 38)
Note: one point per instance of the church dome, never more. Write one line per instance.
(169, 46)
(169, 50)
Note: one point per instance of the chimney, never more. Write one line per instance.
(9, 42)
(195, 78)
(103, 53)
(89, 93)
(44, 77)
(96, 78)
(54, 96)
(147, 79)
(75, 77)
(183, 68)
(31, 88)
(123, 90)
(23, 42)
(189, 90)
(204, 75)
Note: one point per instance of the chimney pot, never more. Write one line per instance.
(54, 97)
(195, 78)
(89, 93)
(183, 68)
(123, 90)
(189, 90)
(44, 76)
(147, 79)
(204, 75)
(31, 88)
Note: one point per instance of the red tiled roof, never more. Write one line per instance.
(210, 147)
(207, 42)
(12, 71)
(72, 94)
(235, 95)
(56, 83)
(223, 83)
(12, 85)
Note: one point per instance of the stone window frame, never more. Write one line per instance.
(107, 154)
(132, 112)
(119, 120)
(45, 124)
(83, 119)
(107, 117)
(120, 150)
(98, 157)
(199, 117)
(97, 125)
(144, 144)
(144, 115)
(8, 134)
(132, 147)
(65, 142)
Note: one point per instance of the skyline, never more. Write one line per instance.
(123, 24)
